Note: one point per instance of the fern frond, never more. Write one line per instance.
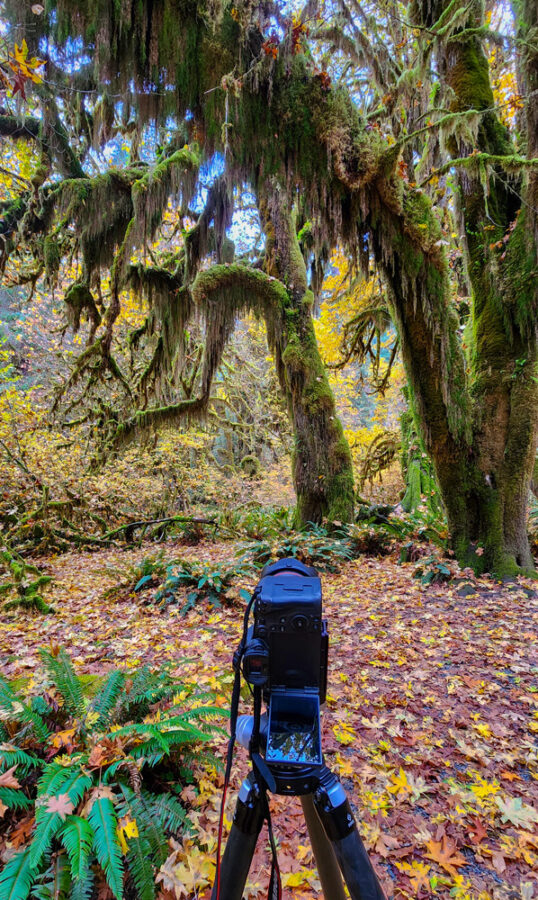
(47, 826)
(16, 710)
(77, 838)
(147, 688)
(105, 842)
(52, 779)
(14, 799)
(17, 877)
(60, 669)
(75, 785)
(141, 868)
(137, 807)
(106, 699)
(169, 812)
(16, 757)
(83, 888)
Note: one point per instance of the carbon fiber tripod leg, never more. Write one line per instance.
(241, 843)
(334, 811)
(326, 862)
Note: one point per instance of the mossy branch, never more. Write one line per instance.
(158, 417)
(512, 163)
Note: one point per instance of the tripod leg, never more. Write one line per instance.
(326, 862)
(241, 843)
(333, 809)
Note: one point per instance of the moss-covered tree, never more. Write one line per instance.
(240, 79)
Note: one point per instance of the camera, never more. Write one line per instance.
(285, 657)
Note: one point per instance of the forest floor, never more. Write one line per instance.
(431, 720)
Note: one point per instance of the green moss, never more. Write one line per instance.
(51, 257)
(244, 287)
(78, 300)
(519, 275)
(293, 356)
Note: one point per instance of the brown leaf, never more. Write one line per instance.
(7, 779)
(22, 832)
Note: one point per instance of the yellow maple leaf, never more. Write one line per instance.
(344, 733)
(400, 784)
(127, 828)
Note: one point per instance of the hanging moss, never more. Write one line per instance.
(78, 301)
(51, 258)
(173, 178)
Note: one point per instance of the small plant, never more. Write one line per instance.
(431, 570)
(208, 581)
(150, 571)
(23, 583)
(258, 522)
(313, 546)
(368, 538)
(90, 787)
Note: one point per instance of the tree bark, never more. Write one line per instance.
(322, 465)
(485, 478)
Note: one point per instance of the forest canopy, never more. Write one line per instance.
(213, 160)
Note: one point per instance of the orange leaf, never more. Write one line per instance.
(444, 853)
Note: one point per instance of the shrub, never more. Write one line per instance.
(313, 546)
(257, 522)
(207, 580)
(89, 788)
(26, 583)
(432, 570)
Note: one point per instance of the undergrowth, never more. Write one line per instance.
(89, 788)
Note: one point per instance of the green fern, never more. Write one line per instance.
(140, 867)
(60, 669)
(77, 838)
(16, 710)
(16, 879)
(13, 756)
(52, 779)
(75, 785)
(105, 842)
(73, 858)
(82, 889)
(14, 799)
(142, 808)
(107, 698)
(167, 809)
(47, 826)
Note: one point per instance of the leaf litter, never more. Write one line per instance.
(431, 718)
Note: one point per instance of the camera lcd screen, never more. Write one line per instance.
(294, 729)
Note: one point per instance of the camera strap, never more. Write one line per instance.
(234, 709)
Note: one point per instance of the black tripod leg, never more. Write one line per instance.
(241, 843)
(326, 862)
(333, 808)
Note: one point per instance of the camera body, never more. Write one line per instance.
(286, 657)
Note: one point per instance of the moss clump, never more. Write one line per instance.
(78, 301)
(250, 465)
(52, 257)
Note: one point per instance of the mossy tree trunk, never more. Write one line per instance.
(322, 465)
(478, 415)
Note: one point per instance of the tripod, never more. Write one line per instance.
(337, 846)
